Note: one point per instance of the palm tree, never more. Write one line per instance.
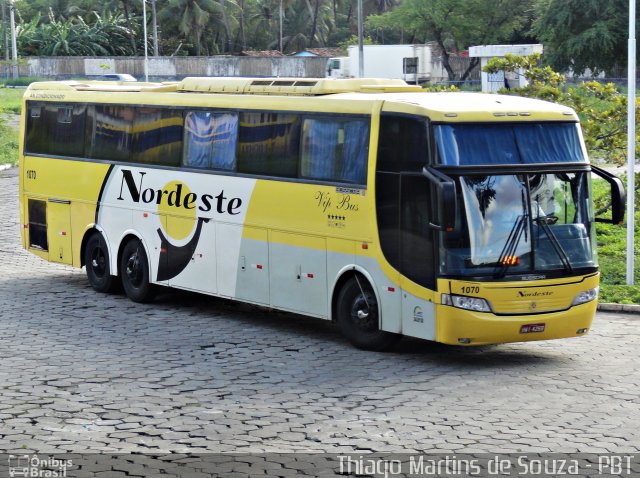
(192, 17)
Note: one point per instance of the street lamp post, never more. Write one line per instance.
(360, 41)
(14, 46)
(144, 32)
(631, 141)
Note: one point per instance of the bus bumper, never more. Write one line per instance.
(462, 327)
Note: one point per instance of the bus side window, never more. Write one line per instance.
(268, 144)
(335, 149)
(157, 136)
(210, 140)
(110, 132)
(37, 136)
(56, 129)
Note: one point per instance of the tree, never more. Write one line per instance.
(456, 24)
(581, 34)
(102, 35)
(192, 16)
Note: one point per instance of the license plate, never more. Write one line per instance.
(532, 328)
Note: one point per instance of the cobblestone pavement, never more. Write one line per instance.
(81, 371)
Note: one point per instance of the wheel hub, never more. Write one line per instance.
(364, 312)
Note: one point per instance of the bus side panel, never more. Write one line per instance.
(59, 232)
(298, 272)
(200, 275)
(252, 277)
(190, 223)
(74, 187)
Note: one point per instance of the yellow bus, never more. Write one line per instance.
(460, 218)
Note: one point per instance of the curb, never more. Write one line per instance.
(626, 308)
(4, 166)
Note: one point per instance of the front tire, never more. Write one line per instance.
(96, 260)
(134, 270)
(358, 316)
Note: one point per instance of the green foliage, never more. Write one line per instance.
(353, 40)
(612, 254)
(102, 35)
(11, 99)
(581, 34)
(620, 294)
(8, 144)
(456, 24)
(440, 88)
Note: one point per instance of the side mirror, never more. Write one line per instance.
(445, 190)
(617, 195)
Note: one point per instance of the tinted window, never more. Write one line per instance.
(210, 140)
(110, 132)
(416, 237)
(402, 145)
(403, 202)
(157, 136)
(335, 149)
(478, 144)
(56, 129)
(268, 144)
(38, 224)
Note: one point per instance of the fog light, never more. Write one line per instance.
(586, 296)
(464, 341)
(581, 331)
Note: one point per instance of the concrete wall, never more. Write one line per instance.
(171, 68)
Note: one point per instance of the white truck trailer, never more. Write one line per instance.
(411, 63)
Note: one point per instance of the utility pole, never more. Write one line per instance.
(631, 141)
(14, 47)
(5, 43)
(360, 41)
(281, 14)
(144, 32)
(154, 18)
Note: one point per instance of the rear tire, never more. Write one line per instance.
(134, 270)
(358, 316)
(96, 260)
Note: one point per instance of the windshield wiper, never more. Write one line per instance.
(511, 246)
(557, 247)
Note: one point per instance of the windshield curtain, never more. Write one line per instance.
(512, 143)
(509, 224)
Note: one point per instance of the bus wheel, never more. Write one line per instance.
(357, 315)
(134, 269)
(96, 260)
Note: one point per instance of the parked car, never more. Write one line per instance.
(117, 77)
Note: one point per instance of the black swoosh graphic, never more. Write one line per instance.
(174, 259)
(104, 184)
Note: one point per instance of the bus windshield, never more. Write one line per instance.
(508, 143)
(519, 224)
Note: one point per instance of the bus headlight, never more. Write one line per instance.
(586, 296)
(468, 303)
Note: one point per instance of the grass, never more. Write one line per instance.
(612, 256)
(11, 100)
(8, 145)
(10, 103)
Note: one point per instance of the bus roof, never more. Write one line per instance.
(397, 95)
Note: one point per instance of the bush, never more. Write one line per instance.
(19, 82)
(8, 145)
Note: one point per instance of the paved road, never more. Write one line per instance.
(81, 371)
